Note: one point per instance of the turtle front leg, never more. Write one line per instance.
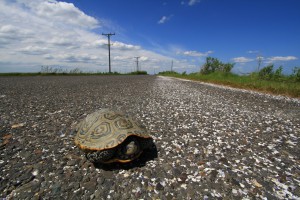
(100, 156)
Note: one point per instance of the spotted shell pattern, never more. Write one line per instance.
(105, 129)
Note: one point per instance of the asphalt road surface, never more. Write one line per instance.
(211, 142)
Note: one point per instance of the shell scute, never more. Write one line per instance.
(101, 130)
(111, 115)
(110, 144)
(121, 138)
(106, 129)
(123, 123)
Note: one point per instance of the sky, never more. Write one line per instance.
(67, 34)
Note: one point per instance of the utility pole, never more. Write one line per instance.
(137, 63)
(259, 60)
(172, 66)
(108, 38)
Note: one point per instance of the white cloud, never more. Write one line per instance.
(123, 46)
(242, 60)
(77, 58)
(253, 51)
(61, 12)
(34, 50)
(260, 58)
(9, 32)
(195, 53)
(193, 2)
(55, 33)
(144, 58)
(281, 58)
(164, 19)
(120, 58)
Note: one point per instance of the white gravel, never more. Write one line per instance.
(212, 142)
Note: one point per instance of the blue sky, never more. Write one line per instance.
(67, 34)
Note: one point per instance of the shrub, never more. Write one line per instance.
(296, 74)
(138, 73)
(278, 73)
(227, 67)
(214, 65)
(75, 71)
(210, 66)
(266, 72)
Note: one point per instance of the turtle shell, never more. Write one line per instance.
(106, 129)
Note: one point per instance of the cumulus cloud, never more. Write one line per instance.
(34, 50)
(9, 32)
(195, 53)
(75, 58)
(120, 58)
(123, 46)
(242, 60)
(56, 33)
(164, 19)
(281, 58)
(60, 12)
(260, 58)
(144, 58)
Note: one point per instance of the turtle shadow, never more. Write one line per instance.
(147, 155)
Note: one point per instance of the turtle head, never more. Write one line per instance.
(131, 148)
(124, 153)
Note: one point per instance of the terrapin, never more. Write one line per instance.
(108, 136)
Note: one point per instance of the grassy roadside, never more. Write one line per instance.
(284, 86)
(70, 73)
(55, 74)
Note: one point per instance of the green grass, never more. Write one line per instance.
(19, 74)
(70, 73)
(285, 86)
(58, 71)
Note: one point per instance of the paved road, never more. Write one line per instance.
(211, 142)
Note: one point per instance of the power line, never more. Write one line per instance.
(108, 43)
(137, 63)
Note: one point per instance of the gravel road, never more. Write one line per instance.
(210, 142)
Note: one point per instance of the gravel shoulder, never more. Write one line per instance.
(210, 142)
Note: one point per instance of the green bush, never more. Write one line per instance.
(296, 74)
(211, 65)
(266, 72)
(214, 65)
(278, 73)
(227, 67)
